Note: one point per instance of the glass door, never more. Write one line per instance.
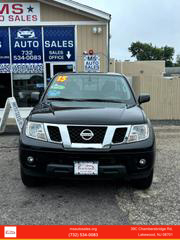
(5, 88)
(62, 68)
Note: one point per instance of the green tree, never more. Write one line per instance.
(146, 51)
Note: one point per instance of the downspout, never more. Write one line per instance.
(109, 37)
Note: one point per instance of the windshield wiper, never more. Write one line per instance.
(103, 100)
(86, 100)
(61, 99)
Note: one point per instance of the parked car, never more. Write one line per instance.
(88, 126)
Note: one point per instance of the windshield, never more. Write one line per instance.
(90, 87)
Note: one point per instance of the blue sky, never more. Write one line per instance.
(152, 21)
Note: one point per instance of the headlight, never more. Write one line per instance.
(138, 133)
(36, 131)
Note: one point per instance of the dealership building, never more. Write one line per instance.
(43, 37)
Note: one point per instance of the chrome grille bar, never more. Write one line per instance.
(107, 143)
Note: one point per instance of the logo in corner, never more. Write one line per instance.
(10, 232)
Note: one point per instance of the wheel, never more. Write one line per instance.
(143, 183)
(30, 181)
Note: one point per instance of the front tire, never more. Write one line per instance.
(143, 183)
(30, 181)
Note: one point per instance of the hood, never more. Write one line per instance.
(87, 116)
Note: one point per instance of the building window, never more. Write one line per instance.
(28, 88)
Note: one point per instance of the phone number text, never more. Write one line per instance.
(77, 235)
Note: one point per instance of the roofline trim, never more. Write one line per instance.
(85, 8)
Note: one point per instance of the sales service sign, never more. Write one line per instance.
(19, 13)
(92, 63)
(26, 47)
(59, 44)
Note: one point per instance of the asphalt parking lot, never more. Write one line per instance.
(94, 203)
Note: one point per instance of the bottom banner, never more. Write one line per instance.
(90, 232)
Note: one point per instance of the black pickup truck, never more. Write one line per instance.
(88, 126)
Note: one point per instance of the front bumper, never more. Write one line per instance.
(120, 161)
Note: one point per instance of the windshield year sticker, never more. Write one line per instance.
(62, 79)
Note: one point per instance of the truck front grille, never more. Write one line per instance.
(54, 134)
(76, 134)
(119, 135)
(87, 137)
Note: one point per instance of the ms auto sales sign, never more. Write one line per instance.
(26, 48)
(19, 13)
(91, 63)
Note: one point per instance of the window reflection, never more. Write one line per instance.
(28, 88)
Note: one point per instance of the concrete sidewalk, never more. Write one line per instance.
(10, 130)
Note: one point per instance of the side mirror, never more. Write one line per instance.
(144, 99)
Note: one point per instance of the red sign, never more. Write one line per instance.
(92, 232)
(19, 13)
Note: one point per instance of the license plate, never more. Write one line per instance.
(86, 168)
